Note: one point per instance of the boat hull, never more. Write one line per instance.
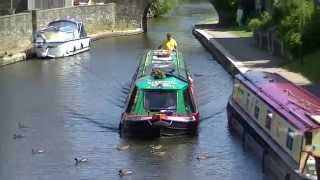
(61, 49)
(156, 126)
(274, 160)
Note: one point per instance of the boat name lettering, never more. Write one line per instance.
(162, 83)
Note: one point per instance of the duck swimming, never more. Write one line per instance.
(122, 147)
(80, 160)
(203, 157)
(125, 172)
(37, 151)
(18, 136)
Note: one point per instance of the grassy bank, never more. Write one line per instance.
(240, 31)
(309, 67)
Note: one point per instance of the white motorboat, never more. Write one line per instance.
(61, 38)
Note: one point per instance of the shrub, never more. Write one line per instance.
(254, 24)
(310, 34)
(262, 22)
(296, 22)
(160, 7)
(294, 44)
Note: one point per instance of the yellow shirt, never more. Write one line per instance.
(169, 45)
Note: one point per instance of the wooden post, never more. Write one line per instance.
(34, 21)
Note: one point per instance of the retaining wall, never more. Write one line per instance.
(15, 31)
(96, 18)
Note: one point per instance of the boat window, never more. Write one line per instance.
(156, 100)
(308, 137)
(248, 100)
(269, 119)
(83, 32)
(64, 26)
(256, 110)
(188, 101)
(290, 135)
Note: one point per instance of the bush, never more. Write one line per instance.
(255, 24)
(295, 25)
(262, 22)
(160, 7)
(294, 43)
(310, 34)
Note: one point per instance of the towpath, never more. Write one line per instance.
(244, 55)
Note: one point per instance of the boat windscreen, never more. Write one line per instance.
(156, 100)
(64, 26)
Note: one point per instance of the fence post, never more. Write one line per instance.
(34, 17)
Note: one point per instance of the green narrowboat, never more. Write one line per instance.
(161, 96)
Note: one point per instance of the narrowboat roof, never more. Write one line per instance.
(299, 107)
(168, 83)
(173, 64)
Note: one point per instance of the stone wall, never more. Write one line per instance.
(96, 18)
(128, 16)
(15, 31)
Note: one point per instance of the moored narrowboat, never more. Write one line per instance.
(284, 117)
(161, 98)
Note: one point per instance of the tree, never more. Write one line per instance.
(227, 11)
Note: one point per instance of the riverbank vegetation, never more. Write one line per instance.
(227, 10)
(296, 23)
(161, 7)
(309, 67)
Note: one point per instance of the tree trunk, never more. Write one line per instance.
(226, 16)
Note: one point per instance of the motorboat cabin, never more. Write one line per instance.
(61, 38)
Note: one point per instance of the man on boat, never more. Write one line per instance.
(169, 44)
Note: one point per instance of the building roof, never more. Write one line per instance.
(299, 107)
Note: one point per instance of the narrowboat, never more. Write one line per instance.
(283, 117)
(61, 38)
(162, 97)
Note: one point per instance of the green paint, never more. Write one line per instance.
(176, 80)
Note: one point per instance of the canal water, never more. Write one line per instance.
(71, 108)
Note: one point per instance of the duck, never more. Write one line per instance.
(37, 151)
(158, 147)
(125, 172)
(203, 157)
(18, 136)
(81, 160)
(162, 153)
(122, 147)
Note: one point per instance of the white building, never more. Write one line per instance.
(48, 4)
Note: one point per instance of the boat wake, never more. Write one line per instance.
(98, 122)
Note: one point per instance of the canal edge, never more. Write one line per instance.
(222, 55)
(27, 53)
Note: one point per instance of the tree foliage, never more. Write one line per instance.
(227, 10)
(296, 22)
(160, 7)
